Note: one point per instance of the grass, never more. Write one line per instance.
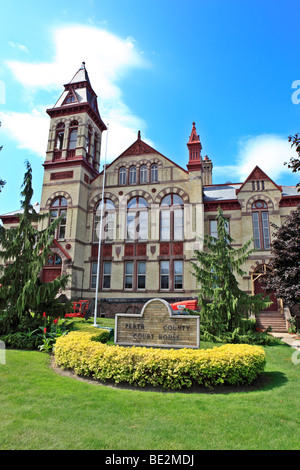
(41, 409)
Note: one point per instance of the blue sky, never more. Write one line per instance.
(156, 66)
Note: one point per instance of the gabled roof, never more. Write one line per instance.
(139, 147)
(258, 174)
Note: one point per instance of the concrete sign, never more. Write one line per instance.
(157, 326)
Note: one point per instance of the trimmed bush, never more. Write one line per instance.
(232, 364)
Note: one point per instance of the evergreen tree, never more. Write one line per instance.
(23, 253)
(223, 304)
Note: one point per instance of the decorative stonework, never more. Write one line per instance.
(107, 195)
(61, 175)
(178, 248)
(164, 248)
(259, 197)
(57, 194)
(129, 250)
(141, 249)
(180, 192)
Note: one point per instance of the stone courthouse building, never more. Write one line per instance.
(155, 212)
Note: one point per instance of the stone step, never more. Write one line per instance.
(273, 319)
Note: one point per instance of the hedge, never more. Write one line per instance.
(232, 364)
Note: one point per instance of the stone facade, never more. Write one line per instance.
(154, 216)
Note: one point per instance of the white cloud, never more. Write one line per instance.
(268, 151)
(30, 130)
(108, 58)
(19, 46)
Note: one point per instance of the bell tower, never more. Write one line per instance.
(76, 127)
(72, 162)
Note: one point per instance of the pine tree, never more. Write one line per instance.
(223, 304)
(23, 253)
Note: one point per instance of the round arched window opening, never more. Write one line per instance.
(171, 218)
(108, 224)
(58, 208)
(261, 228)
(137, 219)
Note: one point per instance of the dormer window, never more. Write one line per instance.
(70, 99)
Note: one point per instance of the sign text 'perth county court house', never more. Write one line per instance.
(157, 326)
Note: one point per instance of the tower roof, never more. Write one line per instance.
(194, 137)
(195, 147)
(78, 90)
(81, 76)
(77, 96)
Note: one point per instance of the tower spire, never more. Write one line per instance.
(195, 147)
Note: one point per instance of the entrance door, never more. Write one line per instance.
(259, 277)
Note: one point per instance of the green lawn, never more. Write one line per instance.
(40, 409)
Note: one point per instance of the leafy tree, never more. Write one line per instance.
(24, 250)
(285, 277)
(294, 163)
(223, 304)
(2, 182)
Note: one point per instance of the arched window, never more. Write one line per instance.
(132, 175)
(96, 140)
(73, 131)
(59, 138)
(137, 219)
(108, 224)
(261, 229)
(122, 176)
(171, 218)
(88, 141)
(154, 173)
(58, 208)
(143, 174)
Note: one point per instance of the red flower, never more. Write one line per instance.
(45, 330)
(55, 321)
(44, 314)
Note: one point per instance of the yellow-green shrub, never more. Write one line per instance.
(234, 364)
